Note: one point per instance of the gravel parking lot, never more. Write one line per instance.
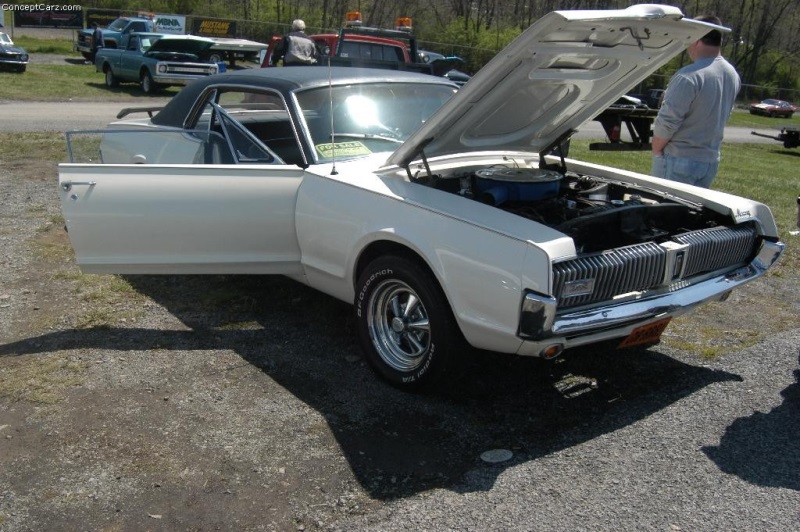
(243, 403)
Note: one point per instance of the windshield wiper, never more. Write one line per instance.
(368, 136)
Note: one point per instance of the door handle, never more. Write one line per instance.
(67, 185)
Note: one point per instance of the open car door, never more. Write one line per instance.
(182, 218)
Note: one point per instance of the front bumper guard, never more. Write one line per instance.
(539, 320)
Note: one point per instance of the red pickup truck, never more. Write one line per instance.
(372, 48)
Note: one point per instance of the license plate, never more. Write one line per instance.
(646, 334)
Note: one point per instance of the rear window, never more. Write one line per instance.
(372, 51)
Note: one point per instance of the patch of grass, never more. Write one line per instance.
(97, 318)
(51, 251)
(718, 328)
(710, 352)
(19, 147)
(44, 382)
(58, 83)
(709, 342)
(743, 118)
(72, 274)
(57, 220)
(107, 289)
(35, 45)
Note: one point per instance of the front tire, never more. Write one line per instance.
(148, 85)
(405, 325)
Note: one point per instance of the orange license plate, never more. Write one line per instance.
(646, 334)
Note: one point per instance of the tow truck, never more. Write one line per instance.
(362, 46)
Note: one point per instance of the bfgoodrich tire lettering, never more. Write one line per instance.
(405, 325)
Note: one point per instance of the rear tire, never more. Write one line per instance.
(405, 325)
(111, 79)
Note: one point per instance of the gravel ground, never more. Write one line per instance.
(243, 403)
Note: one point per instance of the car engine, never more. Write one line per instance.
(598, 213)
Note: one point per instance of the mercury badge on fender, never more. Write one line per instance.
(444, 217)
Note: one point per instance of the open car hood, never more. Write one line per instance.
(561, 72)
(186, 44)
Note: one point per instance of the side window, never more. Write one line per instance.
(246, 149)
(349, 49)
(395, 54)
(256, 125)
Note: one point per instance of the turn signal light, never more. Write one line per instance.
(552, 351)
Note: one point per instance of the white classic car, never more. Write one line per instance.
(442, 216)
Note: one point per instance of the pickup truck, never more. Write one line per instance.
(225, 49)
(112, 35)
(155, 60)
(373, 48)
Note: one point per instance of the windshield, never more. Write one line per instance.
(119, 24)
(5, 39)
(367, 118)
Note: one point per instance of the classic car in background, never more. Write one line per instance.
(773, 108)
(442, 215)
(12, 57)
(456, 76)
(156, 61)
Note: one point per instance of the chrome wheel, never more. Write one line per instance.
(405, 326)
(398, 325)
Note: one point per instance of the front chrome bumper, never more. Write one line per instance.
(540, 322)
(174, 79)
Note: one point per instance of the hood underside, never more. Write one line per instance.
(561, 72)
(185, 44)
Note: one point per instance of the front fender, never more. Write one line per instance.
(478, 268)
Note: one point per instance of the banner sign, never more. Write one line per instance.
(102, 17)
(213, 28)
(170, 24)
(47, 16)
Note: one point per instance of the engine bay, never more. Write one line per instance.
(597, 213)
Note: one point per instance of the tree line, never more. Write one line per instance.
(763, 43)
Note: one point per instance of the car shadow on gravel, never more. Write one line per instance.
(398, 444)
(762, 448)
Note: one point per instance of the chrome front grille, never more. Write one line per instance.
(649, 265)
(717, 248)
(189, 70)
